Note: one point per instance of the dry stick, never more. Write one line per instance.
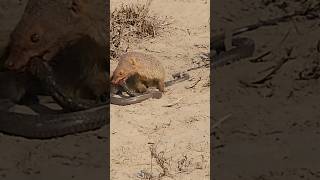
(260, 56)
(277, 67)
(265, 70)
(247, 84)
(194, 84)
(270, 51)
(220, 121)
(284, 38)
(174, 103)
(274, 71)
(296, 28)
(274, 21)
(274, 68)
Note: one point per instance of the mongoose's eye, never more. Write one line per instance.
(35, 38)
(120, 73)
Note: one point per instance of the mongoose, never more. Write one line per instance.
(80, 70)
(47, 26)
(139, 71)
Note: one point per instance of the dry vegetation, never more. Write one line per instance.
(129, 23)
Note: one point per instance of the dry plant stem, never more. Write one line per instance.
(194, 84)
(257, 59)
(274, 21)
(221, 120)
(160, 160)
(132, 23)
(274, 71)
(174, 103)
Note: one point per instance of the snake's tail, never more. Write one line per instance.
(178, 77)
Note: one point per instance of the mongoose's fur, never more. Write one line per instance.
(140, 71)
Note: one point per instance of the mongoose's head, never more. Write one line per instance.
(45, 27)
(124, 70)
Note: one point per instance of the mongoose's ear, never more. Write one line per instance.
(133, 61)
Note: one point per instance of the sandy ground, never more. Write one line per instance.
(181, 132)
(273, 132)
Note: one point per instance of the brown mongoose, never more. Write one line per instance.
(80, 70)
(139, 71)
(47, 26)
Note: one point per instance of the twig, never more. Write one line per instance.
(153, 50)
(277, 67)
(274, 71)
(285, 37)
(262, 23)
(296, 28)
(255, 59)
(247, 84)
(194, 84)
(174, 103)
(221, 120)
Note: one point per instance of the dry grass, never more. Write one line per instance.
(130, 23)
(163, 165)
(159, 168)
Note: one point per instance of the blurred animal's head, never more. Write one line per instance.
(45, 27)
